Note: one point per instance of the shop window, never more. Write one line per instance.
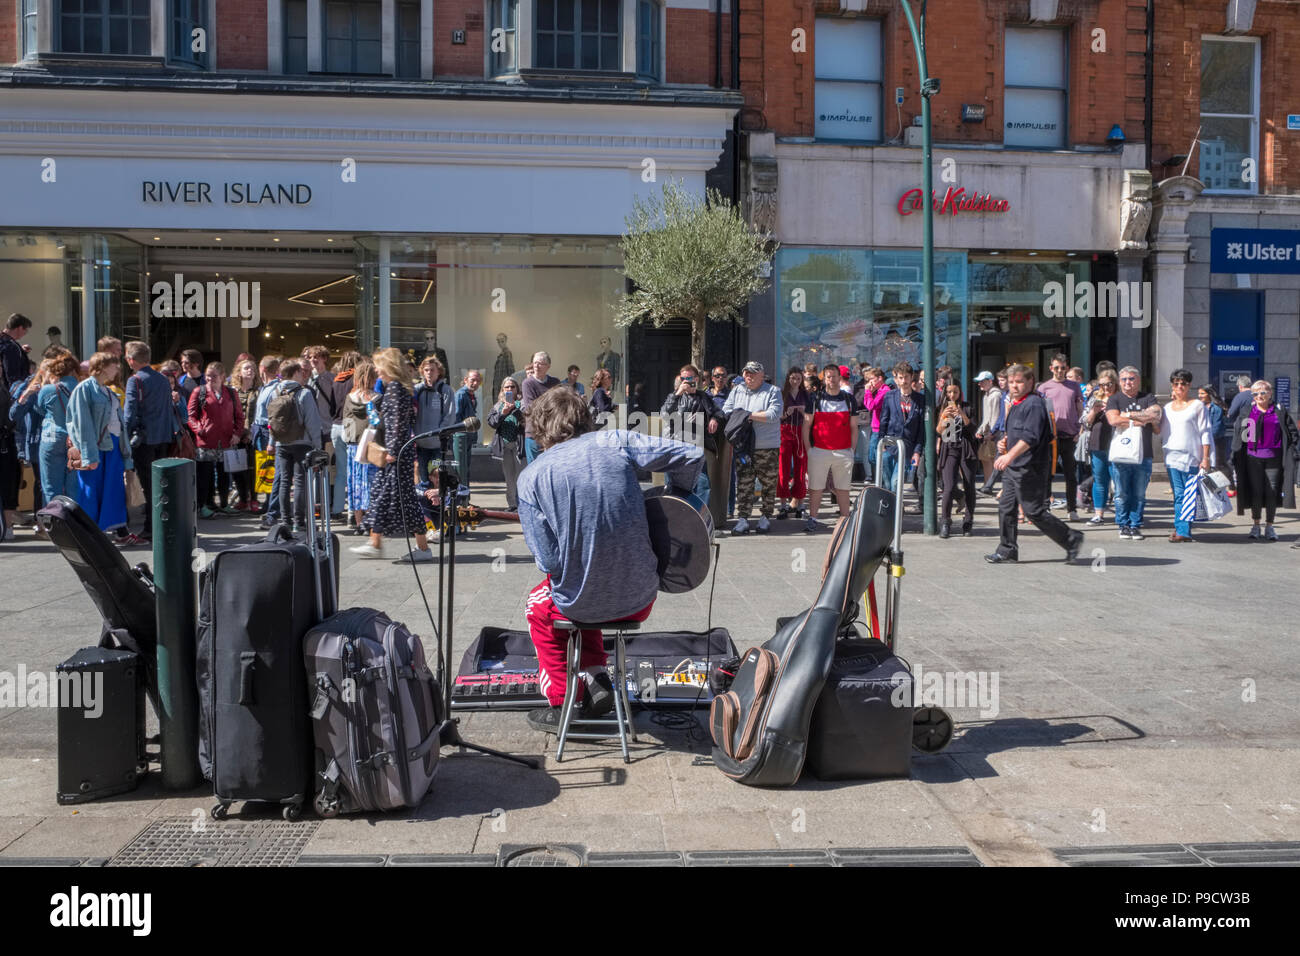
(188, 16)
(852, 306)
(353, 37)
(649, 45)
(849, 73)
(1229, 113)
(578, 35)
(502, 44)
(1035, 88)
(28, 34)
(104, 27)
(408, 40)
(295, 36)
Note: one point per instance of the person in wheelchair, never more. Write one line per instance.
(584, 519)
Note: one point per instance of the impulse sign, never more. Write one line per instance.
(956, 200)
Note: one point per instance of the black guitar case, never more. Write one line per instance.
(760, 726)
(123, 595)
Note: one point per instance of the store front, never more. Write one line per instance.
(1009, 270)
(487, 230)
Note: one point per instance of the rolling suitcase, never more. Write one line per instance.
(375, 714)
(257, 604)
(100, 724)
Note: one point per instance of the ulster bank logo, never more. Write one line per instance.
(208, 300)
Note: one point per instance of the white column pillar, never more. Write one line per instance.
(426, 39)
(210, 27)
(523, 36)
(1170, 207)
(315, 44)
(385, 293)
(388, 36)
(44, 26)
(629, 36)
(89, 252)
(159, 22)
(274, 36)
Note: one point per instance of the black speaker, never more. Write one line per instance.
(101, 694)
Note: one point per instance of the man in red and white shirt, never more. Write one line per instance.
(830, 434)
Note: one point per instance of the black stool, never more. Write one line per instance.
(622, 718)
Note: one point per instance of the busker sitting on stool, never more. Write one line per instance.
(584, 519)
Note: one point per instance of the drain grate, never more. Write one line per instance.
(228, 843)
(1164, 854)
(549, 854)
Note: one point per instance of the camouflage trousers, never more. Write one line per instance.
(761, 466)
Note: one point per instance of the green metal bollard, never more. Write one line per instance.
(174, 583)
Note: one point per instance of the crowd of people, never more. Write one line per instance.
(91, 430)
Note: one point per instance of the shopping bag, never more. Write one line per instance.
(1214, 500)
(134, 492)
(265, 473)
(1126, 446)
(235, 460)
(1190, 507)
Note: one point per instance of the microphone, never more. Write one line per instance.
(470, 424)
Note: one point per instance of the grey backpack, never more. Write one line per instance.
(375, 713)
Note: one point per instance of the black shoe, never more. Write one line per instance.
(545, 719)
(945, 529)
(997, 558)
(599, 699)
(1135, 535)
(967, 529)
(985, 492)
(1072, 547)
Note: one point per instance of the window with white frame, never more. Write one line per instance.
(502, 33)
(104, 26)
(188, 16)
(649, 45)
(1036, 88)
(849, 69)
(1229, 113)
(27, 32)
(578, 35)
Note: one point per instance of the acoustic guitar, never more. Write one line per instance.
(681, 535)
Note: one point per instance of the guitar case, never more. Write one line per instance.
(760, 727)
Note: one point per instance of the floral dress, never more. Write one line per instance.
(394, 507)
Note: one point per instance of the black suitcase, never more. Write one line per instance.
(862, 724)
(100, 723)
(257, 604)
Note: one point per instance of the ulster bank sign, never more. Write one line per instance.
(1272, 251)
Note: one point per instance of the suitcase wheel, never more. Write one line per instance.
(292, 811)
(325, 808)
(931, 729)
(220, 811)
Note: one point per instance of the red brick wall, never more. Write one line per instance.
(1176, 109)
(690, 44)
(464, 61)
(965, 49)
(241, 35)
(9, 51)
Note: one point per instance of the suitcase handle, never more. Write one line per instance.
(246, 661)
(279, 534)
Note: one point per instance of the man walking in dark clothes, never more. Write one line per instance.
(1025, 464)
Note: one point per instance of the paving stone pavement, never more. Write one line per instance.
(1148, 694)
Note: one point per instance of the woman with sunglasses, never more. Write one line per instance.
(1264, 449)
(1099, 434)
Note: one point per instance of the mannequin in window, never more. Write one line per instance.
(609, 359)
(431, 348)
(504, 366)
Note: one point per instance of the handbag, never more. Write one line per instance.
(235, 460)
(134, 490)
(376, 454)
(1126, 446)
(182, 445)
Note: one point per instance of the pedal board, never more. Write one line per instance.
(498, 690)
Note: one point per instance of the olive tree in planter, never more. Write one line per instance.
(693, 258)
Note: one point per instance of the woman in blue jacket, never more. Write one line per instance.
(58, 374)
(97, 428)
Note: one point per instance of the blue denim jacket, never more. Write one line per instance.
(27, 421)
(52, 402)
(89, 413)
(148, 408)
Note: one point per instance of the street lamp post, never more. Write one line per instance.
(929, 87)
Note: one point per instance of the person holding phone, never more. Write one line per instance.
(957, 457)
(507, 420)
(687, 403)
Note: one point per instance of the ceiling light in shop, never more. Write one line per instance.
(157, 238)
(275, 239)
(266, 334)
(217, 238)
(327, 240)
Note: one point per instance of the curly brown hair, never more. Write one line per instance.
(61, 364)
(557, 415)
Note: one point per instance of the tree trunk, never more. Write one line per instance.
(698, 323)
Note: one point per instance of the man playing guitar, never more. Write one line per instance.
(584, 519)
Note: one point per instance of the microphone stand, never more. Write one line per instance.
(449, 729)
